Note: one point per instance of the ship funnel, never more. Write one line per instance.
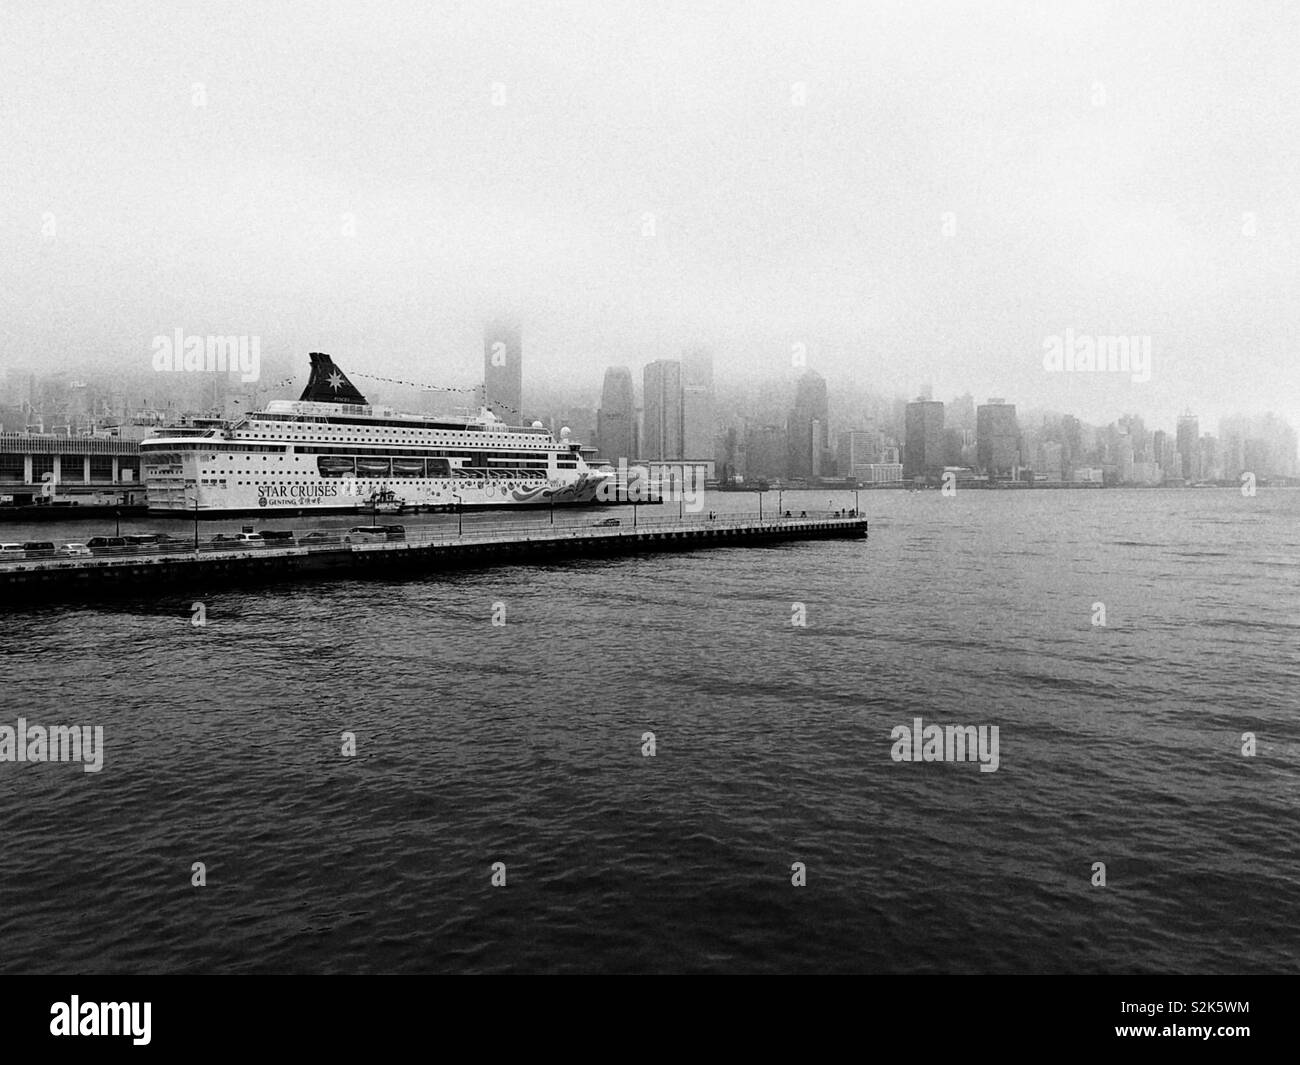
(328, 384)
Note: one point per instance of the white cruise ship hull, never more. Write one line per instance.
(293, 496)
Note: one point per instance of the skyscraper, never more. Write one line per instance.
(923, 450)
(662, 404)
(616, 419)
(997, 438)
(503, 371)
(767, 451)
(1160, 449)
(809, 430)
(1188, 445)
(697, 405)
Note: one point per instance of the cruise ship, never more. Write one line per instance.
(330, 450)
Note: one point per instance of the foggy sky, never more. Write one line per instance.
(1108, 168)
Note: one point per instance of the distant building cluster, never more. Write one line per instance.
(793, 432)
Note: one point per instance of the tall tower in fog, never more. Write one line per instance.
(809, 430)
(1188, 441)
(663, 410)
(503, 370)
(616, 419)
(923, 451)
(997, 438)
(697, 405)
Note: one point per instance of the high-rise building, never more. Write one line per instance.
(923, 451)
(616, 419)
(997, 438)
(858, 449)
(1048, 462)
(1124, 459)
(809, 429)
(960, 413)
(503, 371)
(1189, 437)
(767, 451)
(697, 405)
(1211, 458)
(1160, 449)
(662, 404)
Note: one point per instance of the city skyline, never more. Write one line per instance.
(681, 400)
(834, 199)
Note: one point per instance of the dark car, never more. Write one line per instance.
(106, 545)
(173, 543)
(609, 521)
(39, 549)
(319, 538)
(141, 541)
(279, 537)
(395, 532)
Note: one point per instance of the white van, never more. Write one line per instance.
(8, 552)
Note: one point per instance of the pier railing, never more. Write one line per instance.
(443, 532)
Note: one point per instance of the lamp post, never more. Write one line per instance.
(760, 504)
(196, 516)
(856, 511)
(780, 495)
(460, 528)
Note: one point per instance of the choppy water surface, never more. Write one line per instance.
(522, 744)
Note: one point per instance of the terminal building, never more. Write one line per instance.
(48, 468)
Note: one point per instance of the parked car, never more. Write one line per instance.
(39, 549)
(366, 534)
(246, 539)
(279, 537)
(106, 545)
(608, 521)
(395, 532)
(74, 550)
(222, 540)
(12, 551)
(319, 538)
(173, 543)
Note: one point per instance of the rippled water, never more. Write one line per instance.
(522, 744)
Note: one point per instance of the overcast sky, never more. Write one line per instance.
(914, 192)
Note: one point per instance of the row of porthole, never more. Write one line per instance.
(314, 437)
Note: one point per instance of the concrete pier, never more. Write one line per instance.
(28, 582)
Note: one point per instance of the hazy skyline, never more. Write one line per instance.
(913, 194)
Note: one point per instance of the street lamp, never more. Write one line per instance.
(460, 528)
(780, 495)
(760, 504)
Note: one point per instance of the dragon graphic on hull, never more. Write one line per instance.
(583, 490)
